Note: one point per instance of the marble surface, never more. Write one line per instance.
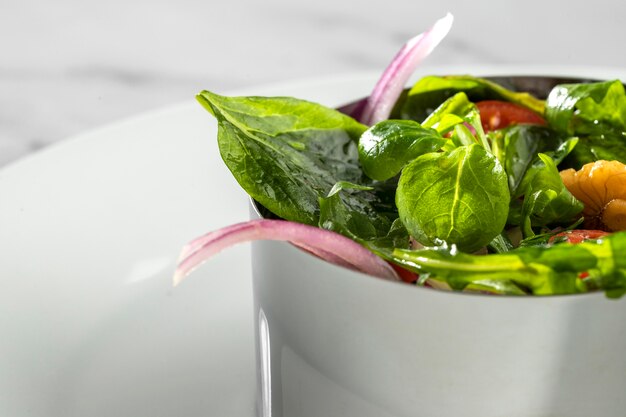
(68, 66)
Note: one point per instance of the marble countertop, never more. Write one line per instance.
(68, 66)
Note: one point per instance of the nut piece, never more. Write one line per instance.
(601, 187)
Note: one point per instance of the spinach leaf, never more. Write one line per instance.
(449, 113)
(539, 270)
(349, 210)
(550, 237)
(517, 147)
(429, 92)
(454, 113)
(459, 197)
(546, 199)
(285, 152)
(608, 147)
(597, 113)
(591, 108)
(500, 244)
(387, 146)
(537, 164)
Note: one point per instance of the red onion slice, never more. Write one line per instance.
(390, 85)
(330, 246)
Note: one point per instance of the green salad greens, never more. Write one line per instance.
(462, 187)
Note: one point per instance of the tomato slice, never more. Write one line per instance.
(496, 114)
(578, 236)
(405, 274)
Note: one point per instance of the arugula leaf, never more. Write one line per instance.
(285, 152)
(429, 92)
(387, 146)
(540, 270)
(459, 197)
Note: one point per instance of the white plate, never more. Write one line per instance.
(89, 235)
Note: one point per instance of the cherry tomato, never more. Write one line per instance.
(495, 114)
(578, 236)
(405, 274)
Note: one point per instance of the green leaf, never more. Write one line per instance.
(608, 147)
(457, 106)
(500, 244)
(387, 146)
(550, 236)
(350, 210)
(285, 152)
(429, 92)
(539, 270)
(494, 286)
(459, 197)
(597, 113)
(587, 108)
(547, 200)
(517, 147)
(452, 114)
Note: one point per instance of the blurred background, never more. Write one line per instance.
(68, 65)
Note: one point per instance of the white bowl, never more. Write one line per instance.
(333, 342)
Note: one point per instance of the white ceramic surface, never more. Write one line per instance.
(89, 233)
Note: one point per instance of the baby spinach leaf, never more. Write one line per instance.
(286, 153)
(517, 147)
(587, 108)
(458, 106)
(350, 210)
(429, 92)
(494, 286)
(518, 268)
(597, 113)
(459, 197)
(608, 147)
(540, 270)
(500, 244)
(387, 146)
(550, 236)
(455, 113)
(546, 199)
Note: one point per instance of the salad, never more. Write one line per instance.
(456, 183)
